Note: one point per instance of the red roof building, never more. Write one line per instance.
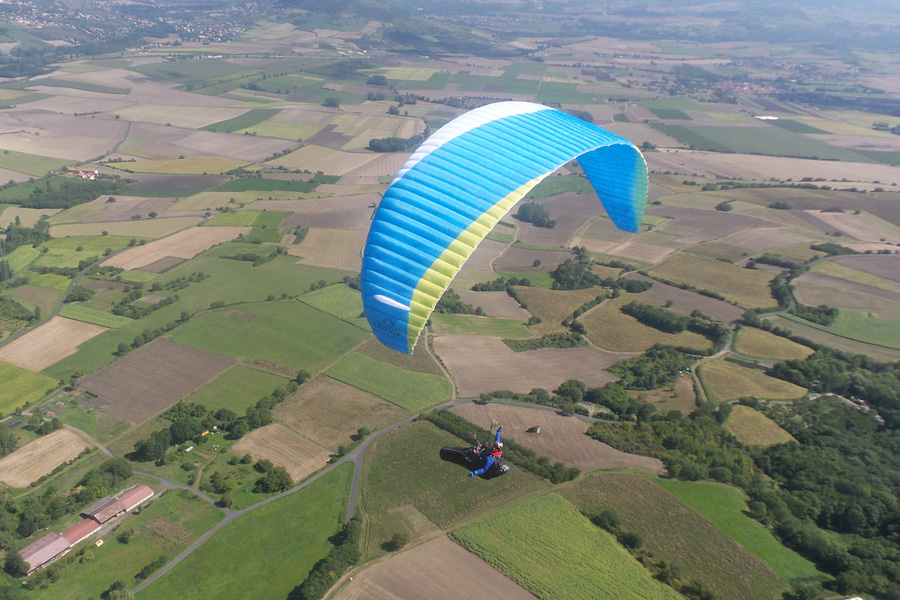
(135, 497)
(106, 509)
(43, 551)
(81, 531)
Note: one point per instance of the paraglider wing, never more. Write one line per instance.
(459, 183)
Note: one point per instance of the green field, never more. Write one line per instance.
(240, 218)
(567, 556)
(337, 300)
(30, 164)
(560, 184)
(271, 218)
(406, 389)
(264, 553)
(439, 489)
(753, 428)
(250, 118)
(76, 214)
(237, 388)
(80, 312)
(725, 506)
(670, 113)
(264, 235)
(246, 184)
(287, 333)
(21, 257)
(164, 528)
(21, 387)
(861, 327)
(192, 71)
(676, 534)
(475, 325)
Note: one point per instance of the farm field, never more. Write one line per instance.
(132, 389)
(39, 457)
(476, 325)
(676, 534)
(48, 343)
(237, 388)
(724, 380)
(685, 302)
(753, 428)
(439, 491)
(328, 412)
(552, 306)
(332, 248)
(264, 553)
(407, 389)
(184, 244)
(816, 289)
(821, 336)
(21, 387)
(165, 528)
(80, 312)
(481, 364)
(413, 574)
(724, 507)
(569, 557)
(142, 228)
(420, 362)
(495, 304)
(287, 333)
(679, 395)
(757, 343)
(863, 328)
(746, 287)
(562, 438)
(611, 329)
(285, 448)
(336, 300)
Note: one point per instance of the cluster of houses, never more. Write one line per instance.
(54, 545)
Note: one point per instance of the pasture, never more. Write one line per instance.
(131, 388)
(725, 507)
(676, 534)
(21, 257)
(440, 490)
(611, 329)
(287, 333)
(820, 336)
(21, 387)
(412, 574)
(747, 287)
(237, 388)
(859, 326)
(562, 438)
(80, 312)
(339, 301)
(239, 218)
(753, 428)
(264, 553)
(184, 244)
(420, 362)
(48, 343)
(164, 528)
(329, 412)
(758, 343)
(407, 389)
(39, 457)
(568, 557)
(140, 228)
(725, 380)
(285, 448)
(481, 364)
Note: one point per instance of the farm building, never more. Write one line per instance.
(44, 550)
(106, 509)
(81, 531)
(90, 174)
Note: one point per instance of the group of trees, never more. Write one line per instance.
(67, 192)
(18, 235)
(344, 554)
(535, 213)
(395, 144)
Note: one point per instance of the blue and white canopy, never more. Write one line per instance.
(459, 183)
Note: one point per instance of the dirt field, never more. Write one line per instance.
(685, 302)
(852, 226)
(884, 266)
(494, 304)
(570, 210)
(524, 257)
(414, 574)
(562, 438)
(51, 342)
(285, 448)
(328, 412)
(694, 225)
(184, 244)
(480, 364)
(331, 248)
(151, 379)
(39, 457)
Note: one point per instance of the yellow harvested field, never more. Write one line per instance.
(178, 115)
(552, 306)
(39, 457)
(611, 329)
(753, 428)
(415, 573)
(724, 380)
(28, 217)
(748, 287)
(757, 343)
(184, 166)
(49, 343)
(184, 244)
(150, 228)
(298, 455)
(840, 271)
(331, 248)
(327, 160)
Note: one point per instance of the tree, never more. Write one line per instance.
(398, 541)
(276, 480)
(15, 565)
(8, 441)
(332, 102)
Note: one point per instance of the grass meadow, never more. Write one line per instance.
(860, 326)
(753, 428)
(165, 528)
(30, 164)
(805, 329)
(724, 507)
(336, 300)
(725, 380)
(250, 118)
(404, 468)
(240, 218)
(79, 312)
(264, 553)
(568, 557)
(21, 387)
(407, 389)
(21, 257)
(237, 388)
